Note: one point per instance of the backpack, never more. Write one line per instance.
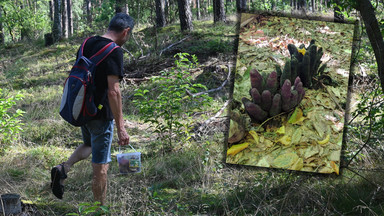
(77, 103)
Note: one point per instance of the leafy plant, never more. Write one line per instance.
(88, 208)
(10, 125)
(368, 120)
(170, 105)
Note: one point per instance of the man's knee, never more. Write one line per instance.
(100, 169)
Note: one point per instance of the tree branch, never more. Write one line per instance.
(161, 52)
(213, 90)
(370, 131)
(374, 34)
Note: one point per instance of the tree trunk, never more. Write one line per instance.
(126, 9)
(374, 34)
(301, 4)
(70, 21)
(241, 5)
(51, 9)
(119, 6)
(313, 5)
(88, 11)
(64, 20)
(337, 16)
(1, 28)
(198, 15)
(56, 29)
(185, 15)
(218, 11)
(160, 13)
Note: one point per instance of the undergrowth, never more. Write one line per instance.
(190, 180)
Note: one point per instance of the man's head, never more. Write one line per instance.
(121, 25)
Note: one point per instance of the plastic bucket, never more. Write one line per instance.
(129, 162)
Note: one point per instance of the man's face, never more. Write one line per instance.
(124, 37)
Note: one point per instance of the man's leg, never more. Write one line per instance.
(102, 134)
(99, 182)
(82, 152)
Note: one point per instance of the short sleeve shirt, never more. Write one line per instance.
(112, 65)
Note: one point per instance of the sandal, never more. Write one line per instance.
(56, 176)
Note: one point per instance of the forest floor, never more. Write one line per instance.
(192, 179)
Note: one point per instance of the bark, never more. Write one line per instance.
(1, 29)
(88, 11)
(374, 34)
(23, 30)
(51, 9)
(241, 5)
(64, 20)
(70, 21)
(218, 11)
(126, 9)
(198, 14)
(313, 5)
(160, 13)
(119, 6)
(56, 29)
(301, 4)
(338, 17)
(185, 15)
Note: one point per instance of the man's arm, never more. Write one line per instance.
(114, 98)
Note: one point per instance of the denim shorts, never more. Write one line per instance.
(98, 134)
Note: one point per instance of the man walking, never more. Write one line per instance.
(98, 133)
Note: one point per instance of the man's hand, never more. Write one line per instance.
(114, 97)
(123, 137)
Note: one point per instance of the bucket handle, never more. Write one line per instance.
(129, 145)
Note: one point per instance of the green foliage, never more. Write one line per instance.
(23, 20)
(104, 13)
(369, 118)
(169, 111)
(91, 209)
(10, 125)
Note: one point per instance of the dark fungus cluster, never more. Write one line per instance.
(283, 90)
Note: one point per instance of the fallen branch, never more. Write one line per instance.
(161, 52)
(129, 61)
(134, 38)
(215, 116)
(213, 90)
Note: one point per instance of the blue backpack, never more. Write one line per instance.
(77, 103)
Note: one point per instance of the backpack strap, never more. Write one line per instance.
(103, 53)
(82, 48)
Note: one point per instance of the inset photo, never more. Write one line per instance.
(290, 93)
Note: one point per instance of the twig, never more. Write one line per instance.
(127, 52)
(141, 50)
(161, 52)
(129, 61)
(370, 131)
(213, 90)
(215, 116)
(362, 176)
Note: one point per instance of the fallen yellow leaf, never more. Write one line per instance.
(237, 148)
(255, 136)
(324, 141)
(281, 130)
(285, 140)
(335, 167)
(297, 116)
